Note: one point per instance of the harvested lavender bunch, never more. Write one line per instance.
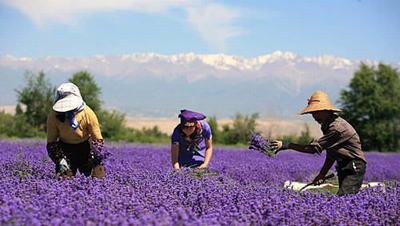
(261, 144)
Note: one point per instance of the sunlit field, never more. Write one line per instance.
(242, 187)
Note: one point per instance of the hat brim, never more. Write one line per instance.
(188, 116)
(68, 103)
(310, 109)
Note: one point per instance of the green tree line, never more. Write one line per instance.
(36, 99)
(371, 104)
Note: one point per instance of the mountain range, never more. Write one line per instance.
(156, 85)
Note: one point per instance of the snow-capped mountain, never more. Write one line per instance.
(217, 61)
(220, 84)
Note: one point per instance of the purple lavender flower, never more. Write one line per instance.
(142, 189)
(261, 144)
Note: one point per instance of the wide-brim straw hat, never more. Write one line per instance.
(319, 101)
(68, 98)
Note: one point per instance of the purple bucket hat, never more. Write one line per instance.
(190, 116)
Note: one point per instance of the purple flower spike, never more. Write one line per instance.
(261, 144)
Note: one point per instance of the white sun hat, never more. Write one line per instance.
(68, 97)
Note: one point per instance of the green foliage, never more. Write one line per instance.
(17, 126)
(212, 121)
(6, 124)
(113, 128)
(236, 133)
(112, 124)
(37, 96)
(305, 137)
(372, 106)
(90, 91)
(147, 135)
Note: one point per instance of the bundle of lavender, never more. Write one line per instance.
(261, 144)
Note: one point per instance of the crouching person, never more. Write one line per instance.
(191, 141)
(341, 142)
(74, 140)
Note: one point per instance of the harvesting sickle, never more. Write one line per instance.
(319, 183)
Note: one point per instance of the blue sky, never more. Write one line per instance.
(351, 29)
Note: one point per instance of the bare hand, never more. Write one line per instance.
(276, 144)
(66, 174)
(176, 166)
(203, 166)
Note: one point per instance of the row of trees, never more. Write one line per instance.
(371, 104)
(35, 101)
(240, 130)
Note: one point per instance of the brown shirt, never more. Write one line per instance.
(88, 128)
(340, 140)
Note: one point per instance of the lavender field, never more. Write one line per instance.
(243, 188)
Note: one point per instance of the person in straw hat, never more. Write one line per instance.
(74, 140)
(340, 141)
(191, 141)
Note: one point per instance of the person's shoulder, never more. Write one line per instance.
(52, 114)
(88, 110)
(341, 125)
(176, 129)
(204, 123)
(206, 127)
(176, 134)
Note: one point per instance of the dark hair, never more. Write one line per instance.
(60, 116)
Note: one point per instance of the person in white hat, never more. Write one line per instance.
(340, 141)
(74, 140)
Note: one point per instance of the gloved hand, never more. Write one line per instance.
(98, 171)
(96, 160)
(63, 168)
(278, 145)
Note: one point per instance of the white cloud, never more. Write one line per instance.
(214, 22)
(65, 11)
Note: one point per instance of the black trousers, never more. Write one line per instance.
(79, 157)
(351, 175)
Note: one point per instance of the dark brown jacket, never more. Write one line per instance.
(340, 140)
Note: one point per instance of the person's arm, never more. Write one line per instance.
(280, 145)
(175, 155)
(310, 149)
(53, 149)
(209, 152)
(100, 153)
(327, 141)
(319, 179)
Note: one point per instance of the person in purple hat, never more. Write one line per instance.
(191, 141)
